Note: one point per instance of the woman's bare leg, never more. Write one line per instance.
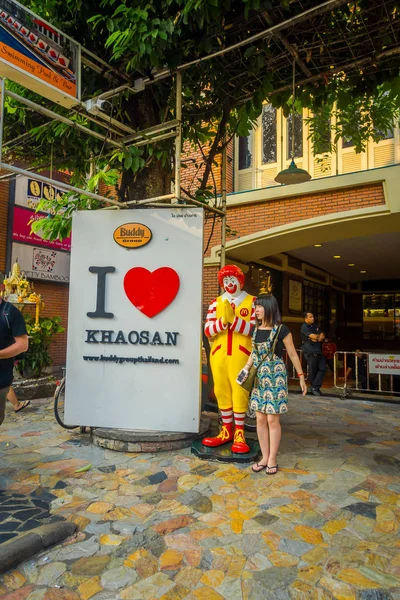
(11, 397)
(17, 404)
(263, 438)
(275, 434)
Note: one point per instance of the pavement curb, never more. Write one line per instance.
(17, 550)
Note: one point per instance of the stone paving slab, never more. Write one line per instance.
(172, 527)
(20, 513)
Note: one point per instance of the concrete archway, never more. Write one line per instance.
(301, 234)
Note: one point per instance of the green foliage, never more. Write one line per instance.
(139, 37)
(58, 223)
(37, 356)
(356, 118)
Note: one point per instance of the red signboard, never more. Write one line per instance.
(21, 231)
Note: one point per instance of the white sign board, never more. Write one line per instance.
(42, 264)
(134, 327)
(384, 364)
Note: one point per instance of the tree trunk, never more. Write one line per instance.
(154, 180)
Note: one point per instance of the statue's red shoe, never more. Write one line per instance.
(224, 436)
(239, 445)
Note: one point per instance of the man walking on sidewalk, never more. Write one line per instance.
(13, 341)
(312, 338)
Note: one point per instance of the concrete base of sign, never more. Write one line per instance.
(224, 453)
(128, 440)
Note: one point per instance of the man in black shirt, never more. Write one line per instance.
(312, 338)
(13, 341)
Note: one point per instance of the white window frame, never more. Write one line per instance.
(285, 139)
(251, 169)
(394, 141)
(260, 167)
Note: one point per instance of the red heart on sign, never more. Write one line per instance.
(151, 292)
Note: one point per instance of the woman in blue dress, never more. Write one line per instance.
(269, 396)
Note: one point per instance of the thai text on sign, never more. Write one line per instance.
(384, 364)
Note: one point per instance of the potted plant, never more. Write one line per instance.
(41, 335)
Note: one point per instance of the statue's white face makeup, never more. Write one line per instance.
(232, 286)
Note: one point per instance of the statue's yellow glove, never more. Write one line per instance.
(228, 315)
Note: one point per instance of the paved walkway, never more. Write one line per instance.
(172, 527)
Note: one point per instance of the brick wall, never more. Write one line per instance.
(211, 287)
(248, 219)
(193, 169)
(55, 296)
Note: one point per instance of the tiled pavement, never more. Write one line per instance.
(20, 513)
(172, 527)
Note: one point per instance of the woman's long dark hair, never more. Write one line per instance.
(272, 315)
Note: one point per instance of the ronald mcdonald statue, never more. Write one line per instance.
(229, 320)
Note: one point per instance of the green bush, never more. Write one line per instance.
(37, 357)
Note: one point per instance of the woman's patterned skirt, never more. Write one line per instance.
(270, 393)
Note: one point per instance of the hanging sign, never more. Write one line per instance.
(22, 230)
(384, 364)
(40, 259)
(42, 264)
(134, 328)
(37, 55)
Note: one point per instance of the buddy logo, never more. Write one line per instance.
(132, 235)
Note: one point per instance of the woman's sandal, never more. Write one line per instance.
(23, 405)
(258, 467)
(268, 471)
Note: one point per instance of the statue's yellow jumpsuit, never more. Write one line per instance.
(229, 353)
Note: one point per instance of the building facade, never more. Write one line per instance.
(53, 289)
(330, 245)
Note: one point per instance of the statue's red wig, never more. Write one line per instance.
(231, 271)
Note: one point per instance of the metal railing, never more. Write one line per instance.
(351, 374)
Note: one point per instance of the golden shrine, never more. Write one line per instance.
(19, 291)
(266, 286)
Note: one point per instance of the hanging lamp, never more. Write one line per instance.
(293, 174)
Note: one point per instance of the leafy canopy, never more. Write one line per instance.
(221, 97)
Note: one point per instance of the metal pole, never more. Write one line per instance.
(223, 220)
(217, 211)
(153, 205)
(147, 133)
(155, 199)
(178, 140)
(157, 138)
(59, 184)
(2, 92)
(57, 117)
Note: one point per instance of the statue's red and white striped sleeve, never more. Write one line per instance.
(244, 327)
(213, 325)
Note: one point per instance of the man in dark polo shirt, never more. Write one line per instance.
(13, 341)
(312, 338)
